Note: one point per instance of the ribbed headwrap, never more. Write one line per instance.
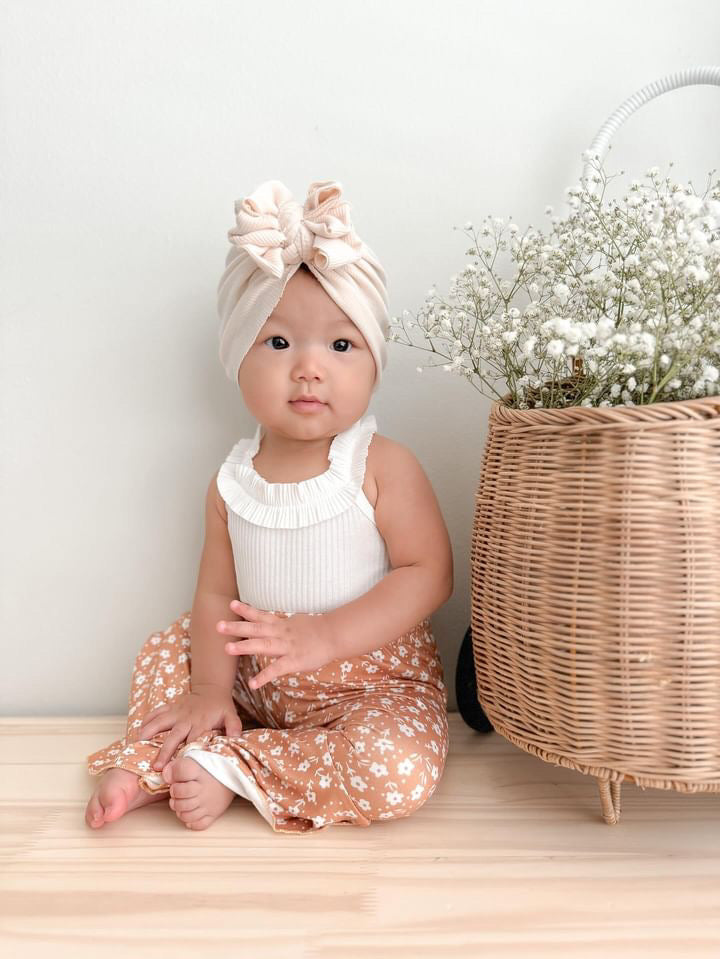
(272, 236)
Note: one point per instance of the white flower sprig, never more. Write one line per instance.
(618, 304)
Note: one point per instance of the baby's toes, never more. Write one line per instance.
(184, 805)
(191, 815)
(201, 823)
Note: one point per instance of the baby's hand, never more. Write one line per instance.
(301, 641)
(204, 709)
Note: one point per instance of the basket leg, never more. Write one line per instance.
(610, 800)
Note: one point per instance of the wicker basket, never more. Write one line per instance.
(595, 567)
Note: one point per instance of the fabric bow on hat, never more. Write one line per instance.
(277, 232)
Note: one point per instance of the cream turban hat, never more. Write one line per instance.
(273, 235)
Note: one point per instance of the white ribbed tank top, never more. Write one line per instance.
(298, 547)
(309, 546)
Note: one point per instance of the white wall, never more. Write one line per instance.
(127, 132)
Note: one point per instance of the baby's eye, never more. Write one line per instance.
(271, 339)
(348, 345)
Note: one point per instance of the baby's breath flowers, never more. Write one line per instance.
(619, 303)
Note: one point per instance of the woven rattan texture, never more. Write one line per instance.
(595, 564)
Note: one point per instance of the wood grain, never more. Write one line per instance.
(509, 858)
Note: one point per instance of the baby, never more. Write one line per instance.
(319, 697)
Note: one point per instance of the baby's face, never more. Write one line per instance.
(307, 345)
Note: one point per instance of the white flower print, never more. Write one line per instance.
(144, 765)
(393, 798)
(405, 767)
(418, 725)
(164, 653)
(378, 769)
(293, 681)
(364, 805)
(327, 759)
(417, 792)
(171, 692)
(378, 654)
(357, 782)
(383, 745)
(324, 781)
(304, 766)
(146, 660)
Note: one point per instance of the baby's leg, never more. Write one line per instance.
(161, 673)
(382, 759)
(358, 740)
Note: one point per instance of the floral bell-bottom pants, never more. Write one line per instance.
(357, 740)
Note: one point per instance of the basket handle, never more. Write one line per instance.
(682, 78)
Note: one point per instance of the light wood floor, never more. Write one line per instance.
(510, 858)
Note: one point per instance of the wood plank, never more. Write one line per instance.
(510, 858)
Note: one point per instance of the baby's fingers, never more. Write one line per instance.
(156, 712)
(177, 736)
(150, 727)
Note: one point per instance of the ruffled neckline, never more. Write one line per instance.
(291, 505)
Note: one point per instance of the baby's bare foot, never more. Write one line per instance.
(118, 792)
(196, 796)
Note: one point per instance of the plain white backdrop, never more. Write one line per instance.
(128, 130)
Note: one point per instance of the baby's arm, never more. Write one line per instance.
(216, 589)
(409, 519)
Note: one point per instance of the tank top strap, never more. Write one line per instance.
(291, 505)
